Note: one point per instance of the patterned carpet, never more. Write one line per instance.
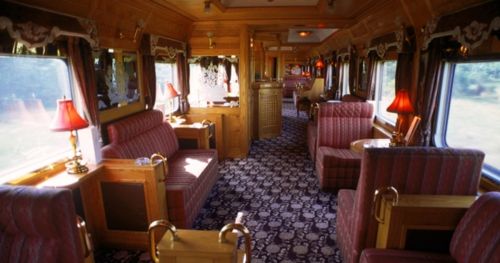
(277, 192)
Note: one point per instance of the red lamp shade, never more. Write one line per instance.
(401, 103)
(320, 63)
(171, 92)
(67, 118)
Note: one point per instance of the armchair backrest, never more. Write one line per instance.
(411, 170)
(140, 135)
(341, 123)
(38, 225)
(476, 238)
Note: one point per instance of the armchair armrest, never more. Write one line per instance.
(418, 212)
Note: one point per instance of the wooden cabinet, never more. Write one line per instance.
(266, 109)
(419, 213)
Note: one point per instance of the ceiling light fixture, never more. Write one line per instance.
(304, 33)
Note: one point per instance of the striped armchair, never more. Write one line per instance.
(476, 239)
(411, 170)
(339, 124)
(191, 172)
(38, 225)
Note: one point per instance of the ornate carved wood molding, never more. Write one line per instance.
(470, 27)
(166, 46)
(37, 28)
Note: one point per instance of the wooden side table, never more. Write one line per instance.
(196, 132)
(418, 213)
(76, 183)
(359, 145)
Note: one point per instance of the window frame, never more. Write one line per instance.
(444, 103)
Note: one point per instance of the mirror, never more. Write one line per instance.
(214, 81)
(116, 78)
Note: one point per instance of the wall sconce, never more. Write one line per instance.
(206, 6)
(138, 28)
(211, 43)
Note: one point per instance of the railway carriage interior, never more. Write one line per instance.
(249, 131)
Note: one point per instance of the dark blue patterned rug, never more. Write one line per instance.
(277, 192)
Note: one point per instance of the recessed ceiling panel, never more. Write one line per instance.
(268, 3)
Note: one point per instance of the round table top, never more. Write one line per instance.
(359, 145)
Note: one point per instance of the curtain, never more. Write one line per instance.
(340, 81)
(182, 76)
(352, 72)
(82, 69)
(148, 72)
(227, 66)
(371, 73)
(427, 92)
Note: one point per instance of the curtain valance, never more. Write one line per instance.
(401, 41)
(167, 47)
(469, 27)
(37, 28)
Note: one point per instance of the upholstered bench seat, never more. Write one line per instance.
(189, 181)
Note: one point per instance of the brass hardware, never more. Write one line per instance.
(87, 245)
(152, 240)
(377, 197)
(246, 234)
(206, 122)
(211, 42)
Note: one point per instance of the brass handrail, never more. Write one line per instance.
(163, 159)
(87, 245)
(377, 197)
(246, 234)
(152, 240)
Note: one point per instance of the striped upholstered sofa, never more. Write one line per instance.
(191, 173)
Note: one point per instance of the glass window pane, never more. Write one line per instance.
(166, 73)
(386, 87)
(29, 89)
(474, 111)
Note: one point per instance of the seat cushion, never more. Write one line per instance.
(333, 157)
(373, 255)
(337, 168)
(191, 175)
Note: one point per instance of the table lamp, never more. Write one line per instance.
(68, 119)
(170, 94)
(402, 106)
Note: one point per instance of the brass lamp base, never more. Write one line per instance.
(75, 167)
(396, 140)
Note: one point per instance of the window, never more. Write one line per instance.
(385, 90)
(470, 106)
(166, 72)
(213, 80)
(345, 79)
(29, 89)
